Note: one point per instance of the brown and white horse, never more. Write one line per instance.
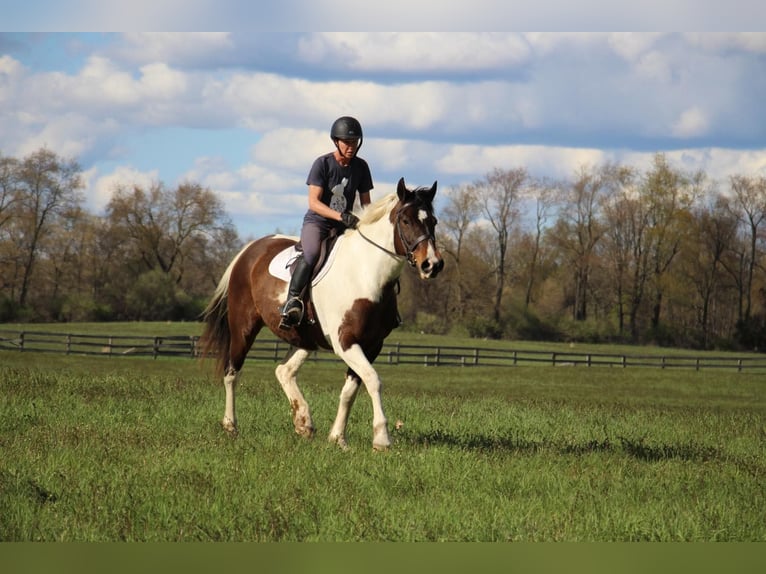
(354, 306)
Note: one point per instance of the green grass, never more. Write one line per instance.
(102, 449)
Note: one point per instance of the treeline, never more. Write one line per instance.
(612, 254)
(658, 256)
(155, 254)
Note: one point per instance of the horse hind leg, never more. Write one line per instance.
(347, 397)
(286, 373)
(230, 380)
(238, 349)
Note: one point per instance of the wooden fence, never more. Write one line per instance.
(274, 350)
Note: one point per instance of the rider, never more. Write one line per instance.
(334, 181)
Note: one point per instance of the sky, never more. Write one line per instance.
(245, 112)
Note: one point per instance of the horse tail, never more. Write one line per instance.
(216, 337)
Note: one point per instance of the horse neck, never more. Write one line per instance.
(381, 233)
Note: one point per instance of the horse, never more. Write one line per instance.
(352, 309)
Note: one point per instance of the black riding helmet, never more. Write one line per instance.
(347, 128)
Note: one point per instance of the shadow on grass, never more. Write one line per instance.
(636, 448)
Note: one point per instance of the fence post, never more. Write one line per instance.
(553, 359)
(156, 349)
(588, 359)
(68, 343)
(21, 342)
(476, 356)
(438, 355)
(110, 345)
(624, 361)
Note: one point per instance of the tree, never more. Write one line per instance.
(580, 226)
(750, 209)
(543, 194)
(458, 216)
(48, 187)
(9, 188)
(183, 233)
(715, 229)
(498, 194)
(669, 196)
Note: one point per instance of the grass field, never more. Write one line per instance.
(109, 449)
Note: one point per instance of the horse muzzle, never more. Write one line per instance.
(431, 267)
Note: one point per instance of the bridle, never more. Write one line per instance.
(409, 248)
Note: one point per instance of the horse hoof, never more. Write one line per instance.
(230, 427)
(339, 441)
(381, 447)
(306, 432)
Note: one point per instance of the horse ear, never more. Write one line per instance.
(431, 193)
(401, 189)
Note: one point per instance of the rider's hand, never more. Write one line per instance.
(349, 219)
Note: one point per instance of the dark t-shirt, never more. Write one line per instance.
(340, 185)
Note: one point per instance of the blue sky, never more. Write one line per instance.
(246, 112)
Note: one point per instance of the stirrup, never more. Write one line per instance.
(292, 313)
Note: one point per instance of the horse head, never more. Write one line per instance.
(415, 223)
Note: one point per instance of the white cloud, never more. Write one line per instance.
(692, 122)
(754, 42)
(422, 52)
(175, 47)
(434, 106)
(100, 188)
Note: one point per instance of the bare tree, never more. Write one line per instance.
(750, 209)
(160, 224)
(580, 226)
(48, 186)
(715, 229)
(669, 196)
(543, 193)
(498, 195)
(457, 217)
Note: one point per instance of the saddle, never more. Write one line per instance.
(283, 264)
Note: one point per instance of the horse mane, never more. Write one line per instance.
(378, 209)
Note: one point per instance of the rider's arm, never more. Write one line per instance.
(316, 205)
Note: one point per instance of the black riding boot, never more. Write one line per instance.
(292, 312)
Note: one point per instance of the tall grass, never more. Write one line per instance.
(97, 449)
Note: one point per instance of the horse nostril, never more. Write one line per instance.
(425, 266)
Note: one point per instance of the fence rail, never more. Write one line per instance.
(274, 350)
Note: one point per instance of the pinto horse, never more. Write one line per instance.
(353, 306)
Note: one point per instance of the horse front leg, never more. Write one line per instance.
(355, 358)
(347, 397)
(287, 375)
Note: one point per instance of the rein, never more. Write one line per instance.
(371, 242)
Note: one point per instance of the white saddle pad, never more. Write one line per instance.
(279, 266)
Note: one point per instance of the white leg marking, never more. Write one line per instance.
(347, 396)
(230, 380)
(286, 373)
(354, 358)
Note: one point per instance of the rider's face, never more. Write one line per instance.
(348, 148)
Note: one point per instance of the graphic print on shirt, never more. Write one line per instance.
(338, 201)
